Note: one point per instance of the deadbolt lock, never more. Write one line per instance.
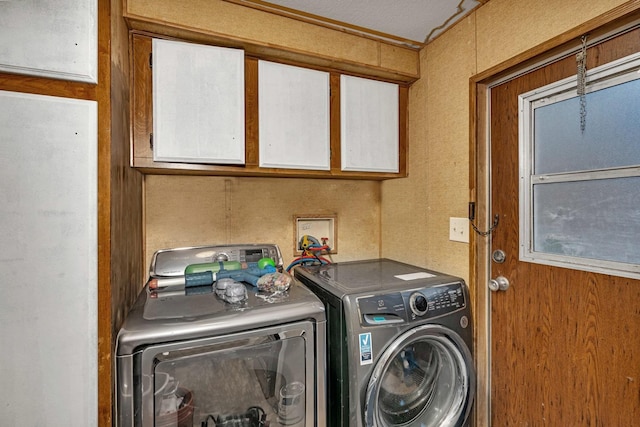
(498, 256)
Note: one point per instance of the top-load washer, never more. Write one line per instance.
(399, 344)
(188, 357)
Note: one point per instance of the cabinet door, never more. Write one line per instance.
(293, 117)
(48, 260)
(198, 103)
(369, 125)
(50, 38)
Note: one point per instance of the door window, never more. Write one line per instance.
(580, 184)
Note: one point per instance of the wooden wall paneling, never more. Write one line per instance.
(126, 234)
(403, 129)
(251, 112)
(334, 82)
(104, 168)
(479, 247)
(141, 98)
(39, 85)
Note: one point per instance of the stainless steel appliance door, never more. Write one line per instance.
(238, 379)
(425, 377)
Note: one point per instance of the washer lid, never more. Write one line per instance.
(169, 317)
(347, 278)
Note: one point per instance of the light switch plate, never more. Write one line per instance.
(459, 229)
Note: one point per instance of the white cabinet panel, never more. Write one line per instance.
(369, 125)
(198, 103)
(48, 260)
(293, 117)
(57, 39)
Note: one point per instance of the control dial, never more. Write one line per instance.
(222, 257)
(419, 304)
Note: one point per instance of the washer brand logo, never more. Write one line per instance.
(366, 351)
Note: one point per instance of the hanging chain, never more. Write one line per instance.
(581, 60)
(496, 219)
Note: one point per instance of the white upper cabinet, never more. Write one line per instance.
(57, 39)
(198, 103)
(294, 125)
(212, 109)
(369, 125)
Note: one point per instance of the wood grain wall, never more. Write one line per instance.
(127, 274)
(121, 200)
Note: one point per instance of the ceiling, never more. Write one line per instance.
(409, 22)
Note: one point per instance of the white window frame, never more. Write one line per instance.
(613, 73)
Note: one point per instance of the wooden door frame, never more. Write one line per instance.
(568, 43)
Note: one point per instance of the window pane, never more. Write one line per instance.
(589, 219)
(610, 138)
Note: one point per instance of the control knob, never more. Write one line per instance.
(419, 304)
(222, 257)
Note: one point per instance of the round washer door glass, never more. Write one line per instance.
(424, 378)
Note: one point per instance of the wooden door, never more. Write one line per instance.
(565, 344)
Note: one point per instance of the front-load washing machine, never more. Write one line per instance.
(399, 342)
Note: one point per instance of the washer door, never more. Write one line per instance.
(424, 378)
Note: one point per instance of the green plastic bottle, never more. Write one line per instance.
(214, 267)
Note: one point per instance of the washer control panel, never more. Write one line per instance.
(436, 301)
(172, 262)
(401, 307)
